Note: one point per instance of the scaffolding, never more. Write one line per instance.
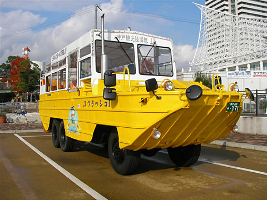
(227, 40)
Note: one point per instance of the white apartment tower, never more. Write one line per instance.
(244, 8)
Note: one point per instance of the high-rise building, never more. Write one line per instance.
(244, 8)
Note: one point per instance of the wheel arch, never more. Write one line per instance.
(101, 133)
(51, 122)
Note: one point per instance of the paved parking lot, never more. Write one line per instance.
(31, 168)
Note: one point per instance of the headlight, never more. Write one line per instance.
(234, 128)
(236, 88)
(155, 133)
(168, 85)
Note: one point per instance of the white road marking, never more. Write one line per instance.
(75, 180)
(234, 167)
(28, 136)
(229, 166)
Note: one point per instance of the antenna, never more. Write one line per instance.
(96, 6)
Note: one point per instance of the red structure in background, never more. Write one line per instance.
(26, 51)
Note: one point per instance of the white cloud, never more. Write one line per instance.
(14, 31)
(183, 54)
(46, 42)
(47, 5)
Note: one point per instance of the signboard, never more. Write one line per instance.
(246, 74)
(59, 54)
(259, 73)
(239, 74)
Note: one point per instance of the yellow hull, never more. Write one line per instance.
(180, 121)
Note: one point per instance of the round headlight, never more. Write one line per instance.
(236, 88)
(155, 134)
(234, 128)
(168, 85)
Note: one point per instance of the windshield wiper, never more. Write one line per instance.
(124, 50)
(149, 51)
(143, 59)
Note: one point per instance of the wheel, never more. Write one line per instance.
(184, 156)
(66, 143)
(55, 133)
(123, 161)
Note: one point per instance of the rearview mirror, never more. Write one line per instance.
(108, 94)
(109, 78)
(151, 84)
(249, 94)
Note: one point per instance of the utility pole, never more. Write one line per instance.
(96, 6)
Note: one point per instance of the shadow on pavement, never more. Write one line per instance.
(161, 160)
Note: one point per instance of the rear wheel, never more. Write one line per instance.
(185, 156)
(123, 161)
(55, 133)
(66, 143)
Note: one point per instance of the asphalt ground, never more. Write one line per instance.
(239, 140)
(31, 168)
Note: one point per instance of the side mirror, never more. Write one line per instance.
(151, 84)
(109, 78)
(109, 81)
(108, 94)
(249, 94)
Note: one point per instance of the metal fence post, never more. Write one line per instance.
(257, 109)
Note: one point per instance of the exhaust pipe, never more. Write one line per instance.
(104, 57)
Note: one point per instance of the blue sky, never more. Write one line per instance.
(46, 26)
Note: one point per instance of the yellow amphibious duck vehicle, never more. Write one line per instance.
(120, 88)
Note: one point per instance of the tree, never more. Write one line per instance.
(29, 79)
(204, 78)
(14, 73)
(5, 68)
(19, 73)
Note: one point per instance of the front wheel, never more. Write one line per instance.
(184, 156)
(66, 143)
(123, 161)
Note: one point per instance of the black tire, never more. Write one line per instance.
(55, 133)
(123, 161)
(66, 143)
(184, 156)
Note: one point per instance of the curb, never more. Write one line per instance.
(240, 145)
(23, 131)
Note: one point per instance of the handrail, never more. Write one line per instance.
(219, 86)
(128, 72)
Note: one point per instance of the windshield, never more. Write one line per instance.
(120, 55)
(155, 60)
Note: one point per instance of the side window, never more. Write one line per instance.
(85, 51)
(62, 62)
(62, 79)
(72, 65)
(54, 81)
(48, 83)
(86, 68)
(55, 65)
